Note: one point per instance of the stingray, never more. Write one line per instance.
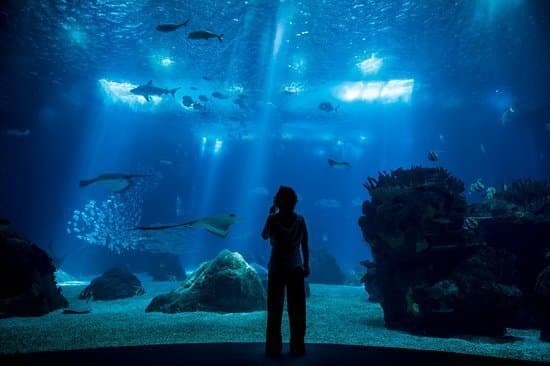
(115, 182)
(218, 225)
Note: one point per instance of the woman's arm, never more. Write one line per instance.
(305, 250)
(266, 232)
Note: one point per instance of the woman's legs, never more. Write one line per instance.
(296, 299)
(275, 302)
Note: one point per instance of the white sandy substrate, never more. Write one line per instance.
(336, 314)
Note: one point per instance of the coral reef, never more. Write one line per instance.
(27, 279)
(114, 284)
(430, 273)
(225, 284)
(325, 268)
(517, 219)
(542, 292)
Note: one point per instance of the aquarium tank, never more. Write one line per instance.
(170, 169)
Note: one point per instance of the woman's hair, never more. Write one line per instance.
(286, 198)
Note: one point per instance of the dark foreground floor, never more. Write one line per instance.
(226, 354)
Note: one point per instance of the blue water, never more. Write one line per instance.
(448, 76)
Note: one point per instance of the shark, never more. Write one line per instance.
(149, 89)
(115, 182)
(338, 164)
(218, 225)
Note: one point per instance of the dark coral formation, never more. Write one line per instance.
(370, 282)
(225, 284)
(517, 218)
(325, 268)
(542, 293)
(27, 277)
(430, 274)
(112, 285)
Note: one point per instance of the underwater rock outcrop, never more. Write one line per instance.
(430, 274)
(27, 279)
(225, 284)
(325, 268)
(165, 267)
(517, 218)
(542, 293)
(114, 284)
(369, 281)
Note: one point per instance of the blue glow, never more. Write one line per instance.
(120, 93)
(386, 92)
(370, 65)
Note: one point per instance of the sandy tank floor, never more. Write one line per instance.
(336, 314)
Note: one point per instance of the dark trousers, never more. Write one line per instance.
(296, 306)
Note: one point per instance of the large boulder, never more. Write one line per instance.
(225, 284)
(27, 279)
(542, 291)
(325, 268)
(112, 285)
(431, 272)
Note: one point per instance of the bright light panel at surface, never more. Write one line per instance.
(370, 65)
(120, 92)
(385, 92)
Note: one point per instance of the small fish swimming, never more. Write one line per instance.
(170, 27)
(219, 95)
(327, 107)
(17, 132)
(204, 34)
(115, 182)
(149, 89)
(470, 223)
(187, 101)
(338, 164)
(167, 162)
(433, 156)
(482, 148)
(507, 115)
(198, 107)
(203, 98)
(477, 186)
(218, 225)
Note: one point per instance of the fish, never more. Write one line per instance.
(327, 107)
(338, 164)
(477, 186)
(17, 132)
(482, 148)
(507, 115)
(203, 98)
(170, 27)
(219, 95)
(433, 156)
(167, 162)
(218, 225)
(328, 203)
(198, 107)
(260, 191)
(115, 182)
(149, 89)
(470, 223)
(187, 101)
(204, 34)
